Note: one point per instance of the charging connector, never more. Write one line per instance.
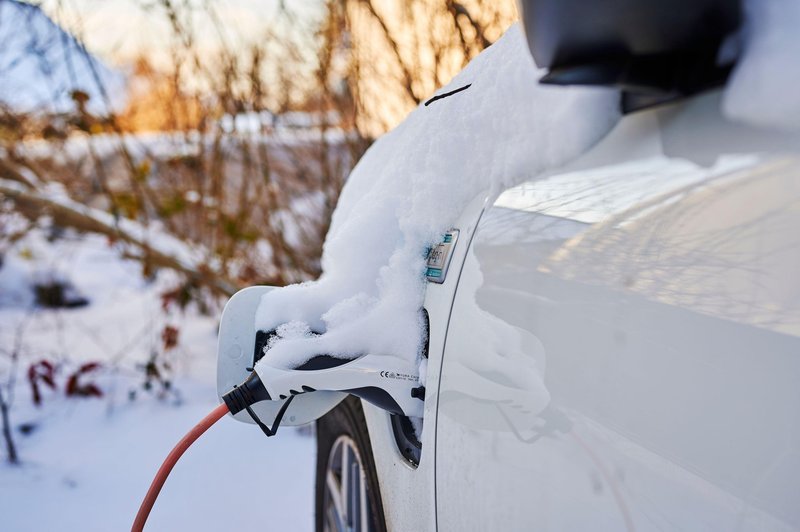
(388, 382)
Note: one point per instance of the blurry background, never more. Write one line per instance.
(156, 156)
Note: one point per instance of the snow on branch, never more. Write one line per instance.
(154, 247)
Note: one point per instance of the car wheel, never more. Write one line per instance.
(347, 492)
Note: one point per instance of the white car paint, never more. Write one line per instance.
(616, 347)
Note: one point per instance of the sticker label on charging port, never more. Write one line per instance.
(439, 257)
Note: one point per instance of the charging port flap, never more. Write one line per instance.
(237, 352)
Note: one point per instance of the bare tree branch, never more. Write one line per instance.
(68, 213)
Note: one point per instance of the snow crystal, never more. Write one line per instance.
(294, 330)
(412, 185)
(763, 90)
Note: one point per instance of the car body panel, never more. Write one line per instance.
(408, 493)
(623, 347)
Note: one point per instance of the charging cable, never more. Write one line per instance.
(388, 382)
(239, 398)
(169, 463)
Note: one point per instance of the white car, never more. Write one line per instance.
(613, 347)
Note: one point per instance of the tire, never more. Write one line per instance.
(341, 503)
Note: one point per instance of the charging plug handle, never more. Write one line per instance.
(251, 391)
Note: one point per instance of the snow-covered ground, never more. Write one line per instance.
(87, 462)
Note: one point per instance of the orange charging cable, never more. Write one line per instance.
(169, 463)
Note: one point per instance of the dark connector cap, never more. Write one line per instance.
(251, 391)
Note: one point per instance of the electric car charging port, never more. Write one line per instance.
(405, 436)
(406, 432)
(262, 339)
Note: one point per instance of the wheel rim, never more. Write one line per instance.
(346, 504)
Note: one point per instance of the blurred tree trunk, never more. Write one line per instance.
(11, 448)
(404, 51)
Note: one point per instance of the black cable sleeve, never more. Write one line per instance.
(275, 424)
(251, 391)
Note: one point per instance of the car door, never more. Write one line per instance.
(623, 351)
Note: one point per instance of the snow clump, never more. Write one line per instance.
(412, 185)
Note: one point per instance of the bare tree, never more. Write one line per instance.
(7, 389)
(404, 51)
